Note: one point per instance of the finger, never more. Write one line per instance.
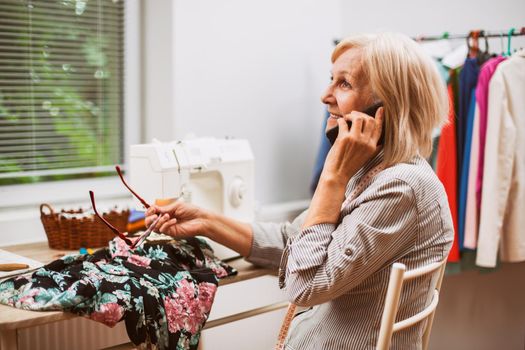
(152, 210)
(379, 118)
(357, 124)
(343, 125)
(369, 126)
(170, 208)
(150, 219)
(167, 225)
(164, 218)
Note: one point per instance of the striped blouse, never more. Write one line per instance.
(340, 272)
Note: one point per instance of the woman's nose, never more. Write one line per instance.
(327, 97)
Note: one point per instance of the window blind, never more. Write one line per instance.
(61, 89)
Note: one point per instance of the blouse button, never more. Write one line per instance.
(348, 251)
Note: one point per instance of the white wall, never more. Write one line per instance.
(251, 70)
(157, 69)
(415, 18)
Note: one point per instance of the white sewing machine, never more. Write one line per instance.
(215, 174)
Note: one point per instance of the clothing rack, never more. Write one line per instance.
(475, 34)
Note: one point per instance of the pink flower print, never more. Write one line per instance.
(186, 290)
(110, 314)
(28, 298)
(139, 260)
(206, 295)
(174, 314)
(121, 248)
(184, 310)
(219, 271)
(195, 317)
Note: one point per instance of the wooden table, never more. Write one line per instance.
(12, 319)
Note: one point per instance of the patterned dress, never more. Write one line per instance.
(163, 292)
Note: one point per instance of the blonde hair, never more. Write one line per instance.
(407, 81)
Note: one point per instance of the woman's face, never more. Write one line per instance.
(348, 91)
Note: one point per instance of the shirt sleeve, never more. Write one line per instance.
(325, 261)
(269, 240)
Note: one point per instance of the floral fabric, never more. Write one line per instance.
(163, 292)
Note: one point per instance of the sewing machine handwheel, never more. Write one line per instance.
(237, 192)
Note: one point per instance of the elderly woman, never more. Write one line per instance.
(377, 202)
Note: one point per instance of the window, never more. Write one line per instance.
(61, 89)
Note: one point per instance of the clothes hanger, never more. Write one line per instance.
(484, 56)
(474, 48)
(522, 32)
(509, 36)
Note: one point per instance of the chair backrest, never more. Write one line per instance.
(397, 277)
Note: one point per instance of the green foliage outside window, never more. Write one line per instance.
(61, 89)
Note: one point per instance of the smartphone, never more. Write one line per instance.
(371, 111)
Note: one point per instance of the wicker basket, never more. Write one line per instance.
(73, 229)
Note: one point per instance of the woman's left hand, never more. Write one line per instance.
(354, 147)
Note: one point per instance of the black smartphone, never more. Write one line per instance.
(371, 111)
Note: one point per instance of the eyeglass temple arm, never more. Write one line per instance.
(113, 228)
(144, 203)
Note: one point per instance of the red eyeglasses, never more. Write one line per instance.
(113, 228)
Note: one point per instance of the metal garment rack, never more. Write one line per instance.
(477, 34)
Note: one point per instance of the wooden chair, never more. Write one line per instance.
(397, 277)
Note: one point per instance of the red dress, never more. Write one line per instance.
(446, 169)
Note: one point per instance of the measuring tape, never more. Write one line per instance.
(363, 184)
(285, 326)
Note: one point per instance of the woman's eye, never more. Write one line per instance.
(345, 84)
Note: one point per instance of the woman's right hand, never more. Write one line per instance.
(183, 220)
(179, 219)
